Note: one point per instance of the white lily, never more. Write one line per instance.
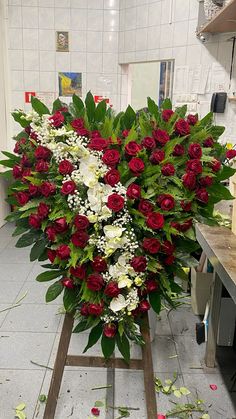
(118, 303)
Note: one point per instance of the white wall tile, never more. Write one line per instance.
(91, 81)
(209, 53)
(130, 18)
(48, 60)
(14, 17)
(31, 81)
(46, 18)
(78, 62)
(110, 41)
(30, 17)
(122, 26)
(109, 63)
(180, 33)
(78, 4)
(193, 9)
(130, 3)
(62, 61)
(17, 81)
(193, 55)
(47, 40)
(14, 2)
(77, 41)
(47, 81)
(179, 54)
(166, 38)
(142, 17)
(95, 4)
(166, 53)
(121, 41)
(15, 39)
(17, 99)
(154, 14)
(141, 39)
(111, 4)
(30, 38)
(78, 19)
(94, 41)
(192, 38)
(111, 20)
(46, 3)
(154, 37)
(62, 19)
(153, 54)
(95, 20)
(31, 60)
(29, 3)
(129, 41)
(63, 3)
(181, 10)
(94, 62)
(16, 59)
(166, 11)
(141, 56)
(141, 2)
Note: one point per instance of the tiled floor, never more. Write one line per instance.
(30, 332)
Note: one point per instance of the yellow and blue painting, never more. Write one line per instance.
(70, 83)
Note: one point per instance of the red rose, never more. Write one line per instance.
(182, 127)
(155, 221)
(202, 195)
(195, 151)
(80, 239)
(47, 189)
(51, 233)
(168, 169)
(145, 207)
(161, 136)
(34, 135)
(84, 309)
(112, 177)
(169, 260)
(208, 142)
(25, 161)
(111, 157)
(63, 252)
(192, 119)
(51, 255)
(167, 247)
(109, 330)
(215, 165)
(167, 114)
(148, 143)
(65, 167)
(230, 154)
(57, 119)
(26, 172)
(68, 187)
(139, 263)
(95, 134)
(151, 285)
(186, 206)
(144, 306)
(157, 156)
(77, 123)
(132, 148)
(95, 411)
(194, 166)
(43, 210)
(17, 172)
(151, 245)
(41, 166)
(79, 271)
(35, 221)
(60, 225)
(22, 198)
(42, 153)
(33, 189)
(125, 133)
(95, 282)
(186, 225)
(95, 309)
(81, 222)
(68, 283)
(98, 144)
(112, 289)
(178, 150)
(136, 166)
(166, 202)
(206, 181)
(17, 148)
(115, 202)
(99, 264)
(189, 180)
(133, 191)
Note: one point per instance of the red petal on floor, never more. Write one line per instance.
(213, 387)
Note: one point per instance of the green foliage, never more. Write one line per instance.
(20, 118)
(108, 346)
(90, 107)
(166, 104)
(94, 336)
(155, 301)
(54, 291)
(153, 108)
(70, 299)
(38, 249)
(57, 104)
(48, 275)
(129, 117)
(28, 238)
(100, 111)
(123, 346)
(39, 106)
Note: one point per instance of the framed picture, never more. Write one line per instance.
(70, 83)
(62, 41)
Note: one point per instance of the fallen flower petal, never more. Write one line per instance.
(95, 411)
(213, 387)
(160, 416)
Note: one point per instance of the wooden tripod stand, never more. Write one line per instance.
(64, 359)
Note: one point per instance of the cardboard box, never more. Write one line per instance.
(200, 290)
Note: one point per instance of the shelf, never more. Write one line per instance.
(223, 21)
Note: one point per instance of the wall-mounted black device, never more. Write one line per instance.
(218, 102)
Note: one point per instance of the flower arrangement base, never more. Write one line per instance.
(64, 359)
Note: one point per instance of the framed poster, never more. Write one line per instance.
(62, 41)
(70, 83)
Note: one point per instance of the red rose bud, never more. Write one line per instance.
(145, 207)
(178, 150)
(51, 255)
(110, 330)
(43, 210)
(65, 167)
(132, 148)
(95, 282)
(81, 222)
(33, 190)
(161, 136)
(151, 285)
(155, 221)
(68, 187)
(79, 271)
(80, 239)
(186, 206)
(22, 198)
(77, 124)
(47, 189)
(95, 309)
(111, 157)
(98, 144)
(186, 225)
(151, 245)
(157, 156)
(166, 202)
(195, 151)
(63, 252)
(136, 165)
(139, 263)
(175, 225)
(144, 306)
(99, 264)
(125, 133)
(230, 154)
(51, 233)
(208, 142)
(202, 195)
(112, 177)
(95, 411)
(42, 166)
(149, 143)
(42, 153)
(169, 260)
(215, 165)
(34, 135)
(112, 289)
(168, 169)
(17, 148)
(189, 181)
(206, 181)
(115, 202)
(57, 119)
(26, 172)
(17, 172)
(35, 221)
(60, 225)
(84, 311)
(167, 114)
(192, 119)
(167, 247)
(68, 283)
(133, 191)
(182, 127)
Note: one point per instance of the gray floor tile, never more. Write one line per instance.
(9, 291)
(19, 348)
(163, 325)
(7, 229)
(14, 255)
(36, 270)
(36, 292)
(3, 312)
(190, 354)
(14, 272)
(164, 355)
(183, 321)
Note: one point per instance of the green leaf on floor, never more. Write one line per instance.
(42, 398)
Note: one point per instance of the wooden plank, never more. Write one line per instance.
(224, 21)
(100, 362)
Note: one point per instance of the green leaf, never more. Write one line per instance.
(11, 156)
(57, 104)
(188, 260)
(225, 173)
(81, 326)
(48, 275)
(184, 391)
(37, 249)
(20, 415)
(94, 336)
(166, 104)
(123, 346)
(39, 106)
(90, 106)
(100, 111)
(7, 163)
(177, 394)
(20, 406)
(70, 299)
(108, 346)
(206, 121)
(7, 174)
(217, 131)
(20, 118)
(220, 191)
(107, 128)
(153, 108)
(98, 403)
(42, 398)
(28, 239)
(181, 111)
(155, 301)
(53, 291)
(129, 117)
(19, 230)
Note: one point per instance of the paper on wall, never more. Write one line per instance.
(219, 78)
(197, 79)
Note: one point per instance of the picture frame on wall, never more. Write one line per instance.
(62, 41)
(70, 83)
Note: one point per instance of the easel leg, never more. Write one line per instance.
(59, 367)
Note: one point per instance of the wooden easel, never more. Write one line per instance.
(64, 359)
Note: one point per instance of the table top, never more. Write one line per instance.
(219, 245)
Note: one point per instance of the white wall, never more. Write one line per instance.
(144, 82)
